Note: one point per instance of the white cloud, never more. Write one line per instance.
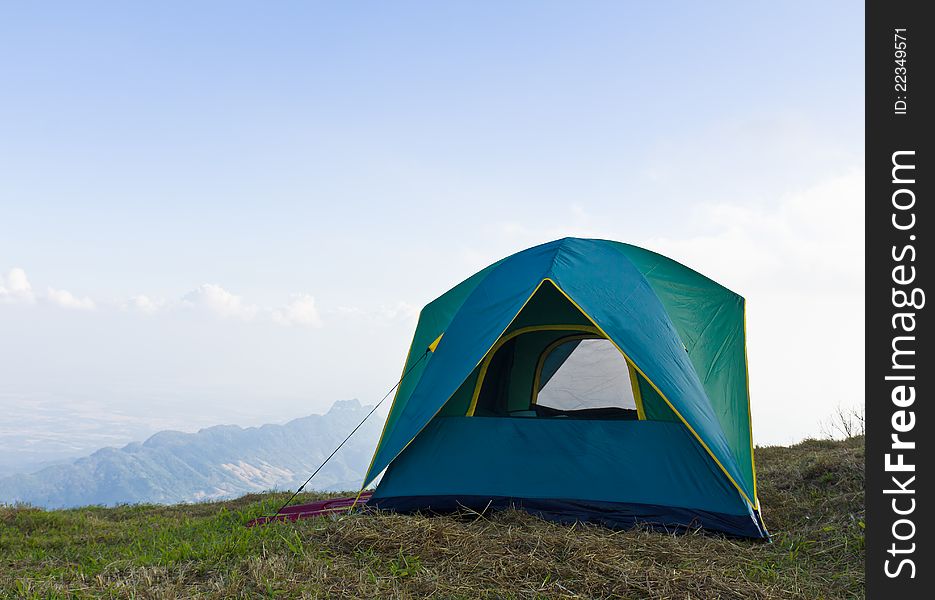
(216, 300)
(209, 298)
(15, 287)
(301, 311)
(65, 299)
(145, 304)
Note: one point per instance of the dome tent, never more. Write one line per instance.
(581, 380)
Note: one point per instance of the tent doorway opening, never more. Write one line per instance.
(553, 362)
(556, 373)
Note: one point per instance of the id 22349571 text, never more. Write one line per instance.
(901, 71)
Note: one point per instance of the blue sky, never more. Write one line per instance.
(235, 209)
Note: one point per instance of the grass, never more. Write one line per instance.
(812, 496)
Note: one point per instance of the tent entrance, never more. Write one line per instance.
(565, 370)
(552, 361)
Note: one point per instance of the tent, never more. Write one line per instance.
(580, 380)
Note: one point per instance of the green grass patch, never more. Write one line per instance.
(812, 497)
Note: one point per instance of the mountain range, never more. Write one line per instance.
(219, 462)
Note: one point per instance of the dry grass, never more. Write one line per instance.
(812, 494)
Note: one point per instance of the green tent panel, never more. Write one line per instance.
(582, 380)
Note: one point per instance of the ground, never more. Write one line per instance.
(812, 497)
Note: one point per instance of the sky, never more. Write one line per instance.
(231, 212)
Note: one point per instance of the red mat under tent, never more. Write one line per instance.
(314, 509)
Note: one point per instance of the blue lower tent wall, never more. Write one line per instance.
(616, 473)
(615, 515)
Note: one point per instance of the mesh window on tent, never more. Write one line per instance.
(583, 374)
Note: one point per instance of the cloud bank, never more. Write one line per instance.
(216, 300)
(301, 311)
(66, 299)
(15, 288)
(208, 299)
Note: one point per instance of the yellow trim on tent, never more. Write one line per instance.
(506, 338)
(746, 367)
(637, 396)
(431, 348)
(540, 362)
(385, 423)
(446, 401)
(357, 498)
(663, 396)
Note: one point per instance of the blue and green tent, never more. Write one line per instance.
(580, 380)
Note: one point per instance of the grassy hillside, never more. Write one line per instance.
(812, 495)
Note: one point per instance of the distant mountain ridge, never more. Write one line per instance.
(218, 462)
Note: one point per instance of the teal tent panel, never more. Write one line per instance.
(624, 305)
(478, 323)
(709, 319)
(433, 321)
(644, 462)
